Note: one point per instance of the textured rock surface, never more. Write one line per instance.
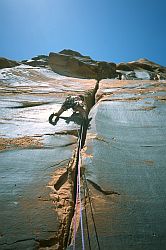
(124, 159)
(143, 64)
(74, 64)
(31, 154)
(125, 153)
(37, 61)
(6, 63)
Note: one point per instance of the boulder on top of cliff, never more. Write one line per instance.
(123, 66)
(70, 52)
(6, 63)
(37, 61)
(142, 63)
(72, 63)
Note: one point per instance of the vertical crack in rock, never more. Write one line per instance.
(63, 189)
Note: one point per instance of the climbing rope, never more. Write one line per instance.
(86, 218)
(78, 204)
(75, 219)
(81, 217)
(78, 194)
(92, 215)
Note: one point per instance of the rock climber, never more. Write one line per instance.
(76, 103)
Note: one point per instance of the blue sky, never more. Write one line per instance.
(110, 30)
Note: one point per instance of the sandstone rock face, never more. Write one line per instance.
(32, 216)
(123, 66)
(71, 63)
(123, 160)
(37, 61)
(142, 63)
(124, 146)
(6, 63)
(70, 52)
(145, 65)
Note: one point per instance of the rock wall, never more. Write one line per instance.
(73, 64)
(80, 66)
(6, 63)
(144, 65)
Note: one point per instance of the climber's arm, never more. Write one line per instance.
(62, 109)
